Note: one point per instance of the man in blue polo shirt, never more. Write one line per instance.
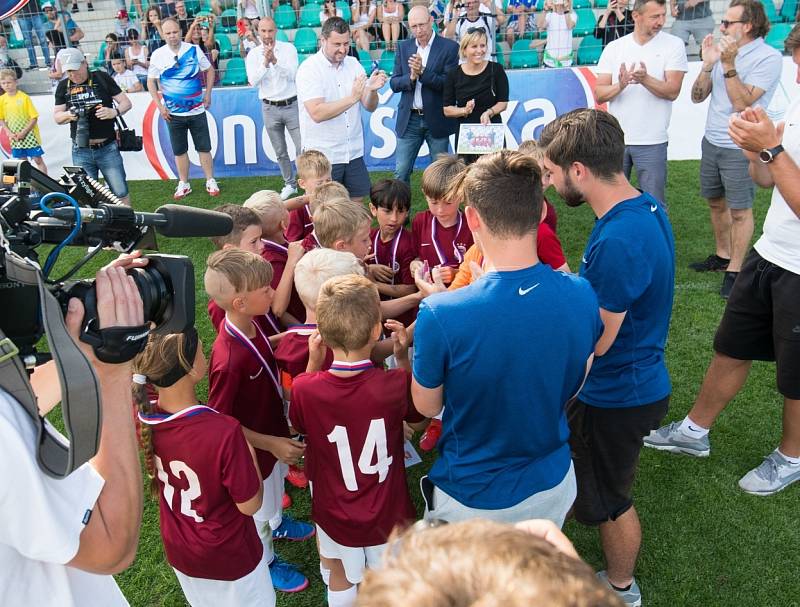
(503, 380)
(630, 262)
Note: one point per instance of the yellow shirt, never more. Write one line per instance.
(17, 111)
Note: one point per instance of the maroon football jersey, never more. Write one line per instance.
(240, 386)
(354, 455)
(292, 353)
(300, 224)
(204, 469)
(311, 242)
(450, 245)
(276, 254)
(400, 260)
(267, 322)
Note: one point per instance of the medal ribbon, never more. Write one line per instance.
(248, 343)
(275, 246)
(439, 253)
(153, 419)
(395, 244)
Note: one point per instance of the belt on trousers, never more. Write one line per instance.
(282, 103)
(417, 111)
(102, 144)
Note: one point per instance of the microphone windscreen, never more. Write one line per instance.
(184, 221)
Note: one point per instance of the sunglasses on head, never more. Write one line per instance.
(474, 30)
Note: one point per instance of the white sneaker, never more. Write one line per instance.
(211, 187)
(183, 190)
(774, 474)
(287, 191)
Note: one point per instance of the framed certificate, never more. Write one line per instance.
(480, 138)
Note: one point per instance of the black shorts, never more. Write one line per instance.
(179, 128)
(605, 447)
(762, 320)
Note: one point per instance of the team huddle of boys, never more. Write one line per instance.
(314, 312)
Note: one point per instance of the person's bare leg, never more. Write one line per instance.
(741, 234)
(207, 164)
(39, 162)
(182, 162)
(721, 224)
(790, 441)
(724, 378)
(621, 540)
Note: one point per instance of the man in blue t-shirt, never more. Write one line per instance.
(504, 379)
(630, 262)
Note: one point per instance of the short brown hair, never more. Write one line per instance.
(754, 14)
(529, 147)
(437, 177)
(638, 5)
(591, 137)
(505, 188)
(242, 219)
(454, 566)
(319, 265)
(339, 219)
(269, 207)
(327, 191)
(348, 309)
(244, 271)
(311, 164)
(792, 41)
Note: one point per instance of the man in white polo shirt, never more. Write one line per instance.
(272, 67)
(331, 88)
(640, 75)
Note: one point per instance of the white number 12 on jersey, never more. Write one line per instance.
(192, 492)
(374, 448)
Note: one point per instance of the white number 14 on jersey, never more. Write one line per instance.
(374, 448)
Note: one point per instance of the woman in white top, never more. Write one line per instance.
(559, 20)
(364, 12)
(390, 16)
(136, 56)
(329, 10)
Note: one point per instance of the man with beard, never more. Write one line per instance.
(630, 262)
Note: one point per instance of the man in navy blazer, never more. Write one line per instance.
(421, 66)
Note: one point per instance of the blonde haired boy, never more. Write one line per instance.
(313, 169)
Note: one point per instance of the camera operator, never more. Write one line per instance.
(90, 102)
(61, 539)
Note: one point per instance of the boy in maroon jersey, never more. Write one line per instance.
(441, 233)
(352, 416)
(208, 485)
(243, 382)
(313, 169)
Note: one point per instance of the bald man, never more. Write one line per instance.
(272, 67)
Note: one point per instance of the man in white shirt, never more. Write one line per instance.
(332, 87)
(762, 318)
(272, 67)
(177, 68)
(640, 75)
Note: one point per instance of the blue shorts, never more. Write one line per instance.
(107, 160)
(27, 152)
(353, 176)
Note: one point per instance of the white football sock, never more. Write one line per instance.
(342, 598)
(325, 574)
(692, 429)
(794, 461)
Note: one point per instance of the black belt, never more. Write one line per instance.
(416, 111)
(282, 103)
(102, 144)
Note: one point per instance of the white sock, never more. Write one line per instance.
(342, 598)
(794, 461)
(325, 574)
(692, 429)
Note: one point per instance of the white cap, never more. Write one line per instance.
(71, 59)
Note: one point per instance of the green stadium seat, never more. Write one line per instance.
(99, 63)
(590, 50)
(499, 56)
(522, 56)
(347, 14)
(789, 11)
(285, 17)
(225, 46)
(192, 7)
(585, 24)
(317, 2)
(227, 21)
(772, 12)
(282, 36)
(387, 62)
(309, 16)
(777, 35)
(581, 4)
(600, 3)
(366, 60)
(305, 40)
(235, 72)
(13, 41)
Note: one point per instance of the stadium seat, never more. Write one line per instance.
(581, 4)
(282, 36)
(285, 18)
(366, 60)
(499, 56)
(772, 12)
(99, 63)
(13, 41)
(521, 56)
(347, 14)
(387, 62)
(305, 40)
(227, 21)
(789, 11)
(600, 3)
(235, 72)
(309, 16)
(589, 51)
(585, 24)
(192, 7)
(777, 35)
(225, 46)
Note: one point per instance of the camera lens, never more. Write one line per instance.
(155, 291)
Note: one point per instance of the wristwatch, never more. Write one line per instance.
(768, 155)
(730, 74)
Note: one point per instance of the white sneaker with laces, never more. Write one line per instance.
(211, 187)
(287, 191)
(774, 474)
(183, 190)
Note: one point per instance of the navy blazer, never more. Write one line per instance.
(442, 59)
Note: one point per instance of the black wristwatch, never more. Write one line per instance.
(768, 155)
(730, 74)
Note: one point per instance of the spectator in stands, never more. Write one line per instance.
(421, 67)
(182, 16)
(29, 19)
(738, 72)
(476, 90)
(122, 24)
(640, 75)
(363, 26)
(390, 18)
(151, 28)
(615, 22)
(558, 19)
(125, 78)
(329, 10)
(272, 67)
(56, 73)
(521, 21)
(208, 43)
(6, 62)
(692, 18)
(295, 4)
(252, 10)
(136, 57)
(247, 37)
(111, 51)
(55, 23)
(472, 14)
(332, 87)
(167, 7)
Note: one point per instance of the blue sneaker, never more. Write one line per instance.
(286, 577)
(292, 530)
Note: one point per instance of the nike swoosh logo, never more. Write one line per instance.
(425, 244)
(528, 290)
(257, 374)
(584, 260)
(653, 208)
